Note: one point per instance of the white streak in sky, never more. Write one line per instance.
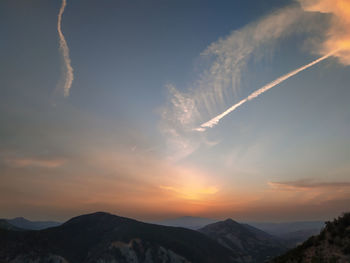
(211, 123)
(68, 75)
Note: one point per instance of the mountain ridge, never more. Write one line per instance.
(103, 237)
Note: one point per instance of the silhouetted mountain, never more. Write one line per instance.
(103, 238)
(7, 226)
(332, 245)
(257, 245)
(187, 222)
(31, 225)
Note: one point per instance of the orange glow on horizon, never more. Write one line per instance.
(191, 192)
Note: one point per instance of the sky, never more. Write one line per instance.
(103, 103)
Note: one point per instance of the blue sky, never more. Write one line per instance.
(146, 73)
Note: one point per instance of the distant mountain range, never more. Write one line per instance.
(290, 233)
(332, 245)
(187, 222)
(280, 229)
(22, 223)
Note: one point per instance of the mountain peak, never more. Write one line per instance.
(102, 218)
(20, 219)
(230, 220)
(99, 214)
(96, 214)
(243, 239)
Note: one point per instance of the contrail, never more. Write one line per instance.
(211, 123)
(65, 53)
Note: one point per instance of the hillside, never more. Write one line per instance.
(257, 245)
(332, 245)
(102, 237)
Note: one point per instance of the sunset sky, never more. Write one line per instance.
(123, 137)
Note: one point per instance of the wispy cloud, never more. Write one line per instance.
(68, 74)
(302, 185)
(309, 193)
(228, 57)
(219, 82)
(211, 123)
(178, 118)
(35, 162)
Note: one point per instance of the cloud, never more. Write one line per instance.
(34, 162)
(178, 118)
(214, 121)
(337, 36)
(228, 57)
(305, 197)
(302, 185)
(68, 75)
(219, 80)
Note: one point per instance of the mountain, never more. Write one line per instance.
(291, 233)
(106, 238)
(332, 245)
(281, 229)
(187, 222)
(7, 226)
(23, 223)
(257, 245)
(295, 238)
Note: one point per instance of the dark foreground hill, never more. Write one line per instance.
(332, 245)
(245, 239)
(106, 238)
